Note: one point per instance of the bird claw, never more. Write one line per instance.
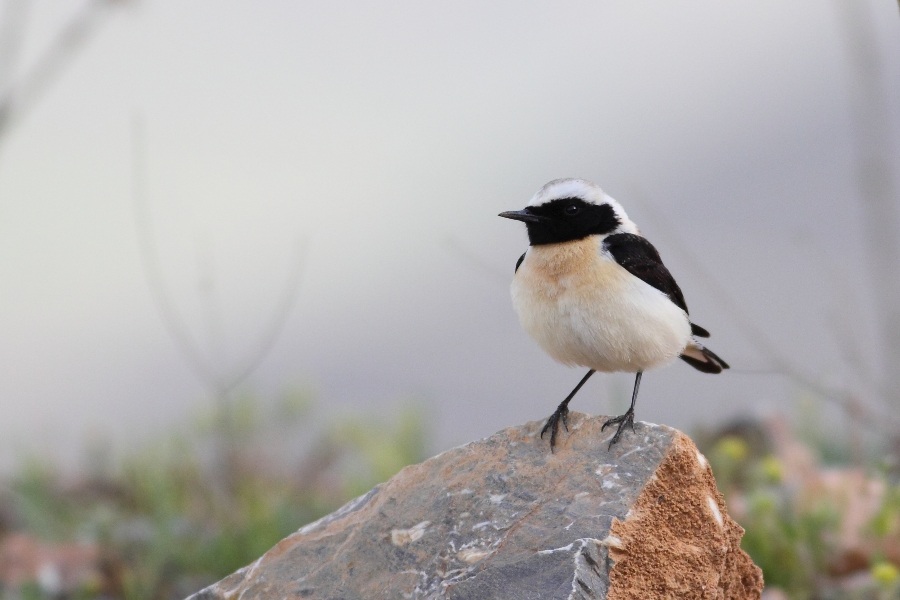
(626, 420)
(560, 415)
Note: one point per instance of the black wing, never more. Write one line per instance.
(519, 262)
(638, 256)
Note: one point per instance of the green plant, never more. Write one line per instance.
(794, 509)
(193, 507)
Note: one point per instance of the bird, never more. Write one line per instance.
(593, 292)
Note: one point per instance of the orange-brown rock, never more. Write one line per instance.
(504, 518)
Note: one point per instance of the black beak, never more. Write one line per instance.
(522, 215)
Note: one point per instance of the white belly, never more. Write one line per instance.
(584, 309)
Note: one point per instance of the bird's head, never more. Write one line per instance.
(565, 210)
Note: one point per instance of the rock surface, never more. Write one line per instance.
(504, 518)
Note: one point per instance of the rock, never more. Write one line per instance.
(504, 518)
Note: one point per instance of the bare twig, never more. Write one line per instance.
(490, 272)
(277, 321)
(176, 326)
(876, 183)
(18, 97)
(779, 361)
(12, 30)
(840, 322)
(224, 380)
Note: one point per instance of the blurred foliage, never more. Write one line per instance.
(184, 512)
(192, 508)
(789, 543)
(819, 526)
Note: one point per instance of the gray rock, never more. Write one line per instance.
(504, 518)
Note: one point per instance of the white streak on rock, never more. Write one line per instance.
(612, 541)
(473, 555)
(402, 537)
(701, 460)
(633, 450)
(245, 573)
(341, 512)
(576, 593)
(560, 549)
(714, 508)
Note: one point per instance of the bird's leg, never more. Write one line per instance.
(626, 420)
(562, 413)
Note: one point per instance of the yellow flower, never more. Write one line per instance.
(733, 447)
(772, 469)
(885, 573)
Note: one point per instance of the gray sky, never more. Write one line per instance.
(387, 137)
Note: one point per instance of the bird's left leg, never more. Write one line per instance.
(562, 413)
(626, 420)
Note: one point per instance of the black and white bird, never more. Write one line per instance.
(594, 293)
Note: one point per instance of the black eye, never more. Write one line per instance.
(572, 210)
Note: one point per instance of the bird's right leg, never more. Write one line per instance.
(562, 413)
(626, 420)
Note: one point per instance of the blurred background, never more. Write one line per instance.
(238, 234)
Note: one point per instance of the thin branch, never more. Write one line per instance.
(876, 182)
(215, 345)
(277, 321)
(489, 271)
(22, 95)
(176, 326)
(12, 31)
(780, 362)
(841, 322)
(223, 382)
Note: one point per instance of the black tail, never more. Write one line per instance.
(698, 331)
(702, 358)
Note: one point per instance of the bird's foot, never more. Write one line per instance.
(626, 420)
(561, 415)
